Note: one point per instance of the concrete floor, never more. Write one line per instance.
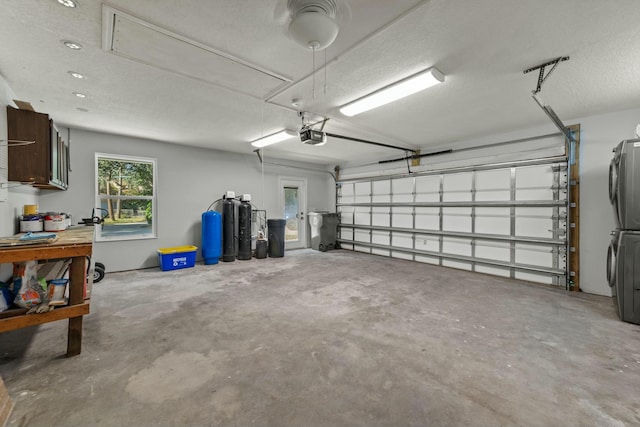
(335, 338)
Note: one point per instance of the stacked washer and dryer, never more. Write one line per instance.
(623, 257)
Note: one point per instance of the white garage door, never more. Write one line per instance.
(506, 219)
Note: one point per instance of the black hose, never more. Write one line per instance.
(216, 201)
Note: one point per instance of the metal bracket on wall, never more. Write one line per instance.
(547, 108)
(541, 77)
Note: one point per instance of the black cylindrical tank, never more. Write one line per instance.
(228, 228)
(276, 237)
(244, 231)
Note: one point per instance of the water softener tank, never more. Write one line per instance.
(228, 230)
(211, 237)
(244, 230)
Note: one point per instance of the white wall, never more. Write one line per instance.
(599, 135)
(189, 179)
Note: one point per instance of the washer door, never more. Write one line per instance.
(614, 168)
(613, 181)
(611, 263)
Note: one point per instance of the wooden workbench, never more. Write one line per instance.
(75, 243)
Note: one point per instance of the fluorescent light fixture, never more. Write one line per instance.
(393, 92)
(274, 138)
(80, 95)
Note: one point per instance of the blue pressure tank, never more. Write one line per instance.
(211, 237)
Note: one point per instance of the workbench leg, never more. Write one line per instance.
(77, 276)
(74, 338)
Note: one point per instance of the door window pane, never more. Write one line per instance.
(291, 209)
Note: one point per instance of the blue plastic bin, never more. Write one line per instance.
(177, 257)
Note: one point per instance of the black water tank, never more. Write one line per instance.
(228, 228)
(276, 237)
(244, 231)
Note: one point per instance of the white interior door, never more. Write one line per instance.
(293, 205)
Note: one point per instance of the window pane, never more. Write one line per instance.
(126, 195)
(124, 178)
(291, 213)
(127, 218)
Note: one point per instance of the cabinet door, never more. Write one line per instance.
(29, 163)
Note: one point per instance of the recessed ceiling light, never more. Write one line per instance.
(68, 3)
(80, 95)
(72, 45)
(76, 75)
(84, 110)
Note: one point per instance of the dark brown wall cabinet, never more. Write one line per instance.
(45, 163)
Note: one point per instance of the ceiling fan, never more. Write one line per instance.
(313, 24)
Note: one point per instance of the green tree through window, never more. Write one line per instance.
(126, 192)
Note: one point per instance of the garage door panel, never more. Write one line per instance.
(380, 217)
(534, 183)
(457, 264)
(493, 185)
(534, 222)
(362, 216)
(456, 246)
(346, 233)
(381, 192)
(358, 248)
(498, 251)
(402, 217)
(346, 214)
(495, 271)
(428, 218)
(347, 194)
(401, 255)
(402, 190)
(457, 187)
(534, 255)
(428, 259)
(428, 188)
(493, 221)
(456, 219)
(532, 277)
(428, 243)
(362, 192)
(361, 236)
(402, 241)
(380, 238)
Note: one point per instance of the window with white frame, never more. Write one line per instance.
(125, 197)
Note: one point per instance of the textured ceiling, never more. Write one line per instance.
(481, 46)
